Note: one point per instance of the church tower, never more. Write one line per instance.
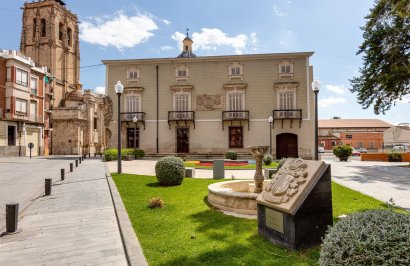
(50, 37)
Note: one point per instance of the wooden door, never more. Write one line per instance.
(235, 137)
(286, 145)
(133, 138)
(182, 140)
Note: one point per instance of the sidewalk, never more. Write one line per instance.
(75, 225)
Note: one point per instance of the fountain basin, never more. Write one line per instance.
(234, 196)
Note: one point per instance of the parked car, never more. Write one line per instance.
(321, 149)
(400, 148)
(355, 152)
(361, 149)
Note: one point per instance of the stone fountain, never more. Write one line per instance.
(240, 196)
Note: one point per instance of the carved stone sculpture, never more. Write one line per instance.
(258, 152)
(285, 182)
(208, 102)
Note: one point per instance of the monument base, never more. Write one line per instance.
(307, 226)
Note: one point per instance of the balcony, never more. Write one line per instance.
(178, 116)
(128, 117)
(235, 116)
(290, 114)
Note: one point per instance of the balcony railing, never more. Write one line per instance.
(128, 117)
(235, 116)
(181, 116)
(288, 114)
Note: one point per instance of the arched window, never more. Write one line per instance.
(34, 27)
(69, 36)
(186, 48)
(60, 31)
(43, 28)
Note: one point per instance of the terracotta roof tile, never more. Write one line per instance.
(353, 123)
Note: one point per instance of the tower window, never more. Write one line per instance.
(43, 28)
(60, 31)
(69, 36)
(34, 27)
(186, 48)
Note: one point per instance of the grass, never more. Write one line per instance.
(242, 167)
(187, 232)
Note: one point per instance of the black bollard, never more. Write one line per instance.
(84, 156)
(95, 154)
(76, 163)
(79, 159)
(62, 173)
(89, 155)
(71, 167)
(12, 217)
(48, 182)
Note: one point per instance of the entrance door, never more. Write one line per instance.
(33, 136)
(182, 140)
(286, 145)
(235, 137)
(133, 138)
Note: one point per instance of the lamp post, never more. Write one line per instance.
(315, 88)
(135, 119)
(119, 88)
(270, 120)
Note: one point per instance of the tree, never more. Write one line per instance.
(385, 74)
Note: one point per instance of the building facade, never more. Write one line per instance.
(202, 105)
(24, 106)
(397, 135)
(366, 133)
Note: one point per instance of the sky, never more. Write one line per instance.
(126, 29)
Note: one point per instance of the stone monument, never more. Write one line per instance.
(258, 152)
(295, 209)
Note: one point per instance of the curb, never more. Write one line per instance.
(132, 247)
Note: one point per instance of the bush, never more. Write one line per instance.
(112, 154)
(156, 203)
(342, 151)
(233, 155)
(394, 157)
(375, 237)
(170, 171)
(267, 159)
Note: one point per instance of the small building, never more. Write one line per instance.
(366, 133)
(25, 105)
(397, 135)
(193, 104)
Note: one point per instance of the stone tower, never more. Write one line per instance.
(50, 37)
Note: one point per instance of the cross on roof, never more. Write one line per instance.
(187, 31)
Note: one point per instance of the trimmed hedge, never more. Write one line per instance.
(112, 154)
(342, 151)
(375, 237)
(267, 159)
(394, 157)
(170, 171)
(233, 155)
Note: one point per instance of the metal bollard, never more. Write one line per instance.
(48, 182)
(71, 167)
(95, 154)
(12, 217)
(79, 159)
(84, 156)
(62, 173)
(76, 163)
(89, 155)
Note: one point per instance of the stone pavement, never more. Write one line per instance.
(75, 225)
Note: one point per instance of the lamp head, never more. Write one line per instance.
(135, 119)
(316, 85)
(270, 119)
(119, 88)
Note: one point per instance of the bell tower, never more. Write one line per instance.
(50, 37)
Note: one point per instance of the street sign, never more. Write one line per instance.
(30, 146)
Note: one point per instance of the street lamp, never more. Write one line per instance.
(135, 119)
(270, 119)
(119, 88)
(315, 88)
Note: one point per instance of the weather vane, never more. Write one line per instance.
(187, 30)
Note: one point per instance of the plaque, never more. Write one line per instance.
(274, 220)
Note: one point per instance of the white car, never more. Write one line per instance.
(321, 149)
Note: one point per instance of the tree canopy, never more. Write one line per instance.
(385, 75)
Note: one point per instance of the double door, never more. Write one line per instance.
(182, 139)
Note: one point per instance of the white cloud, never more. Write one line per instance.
(329, 101)
(287, 40)
(120, 31)
(166, 21)
(405, 99)
(100, 90)
(278, 12)
(166, 48)
(211, 39)
(338, 89)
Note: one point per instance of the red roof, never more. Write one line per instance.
(353, 123)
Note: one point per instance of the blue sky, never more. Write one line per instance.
(152, 28)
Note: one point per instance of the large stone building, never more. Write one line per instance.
(210, 104)
(50, 36)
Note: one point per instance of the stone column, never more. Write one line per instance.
(258, 152)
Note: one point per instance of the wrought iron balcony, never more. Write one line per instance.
(235, 116)
(184, 116)
(128, 117)
(290, 114)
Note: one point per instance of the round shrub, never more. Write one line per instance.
(342, 151)
(110, 154)
(375, 237)
(267, 159)
(138, 153)
(170, 171)
(233, 155)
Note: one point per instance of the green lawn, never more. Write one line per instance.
(187, 232)
(242, 167)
